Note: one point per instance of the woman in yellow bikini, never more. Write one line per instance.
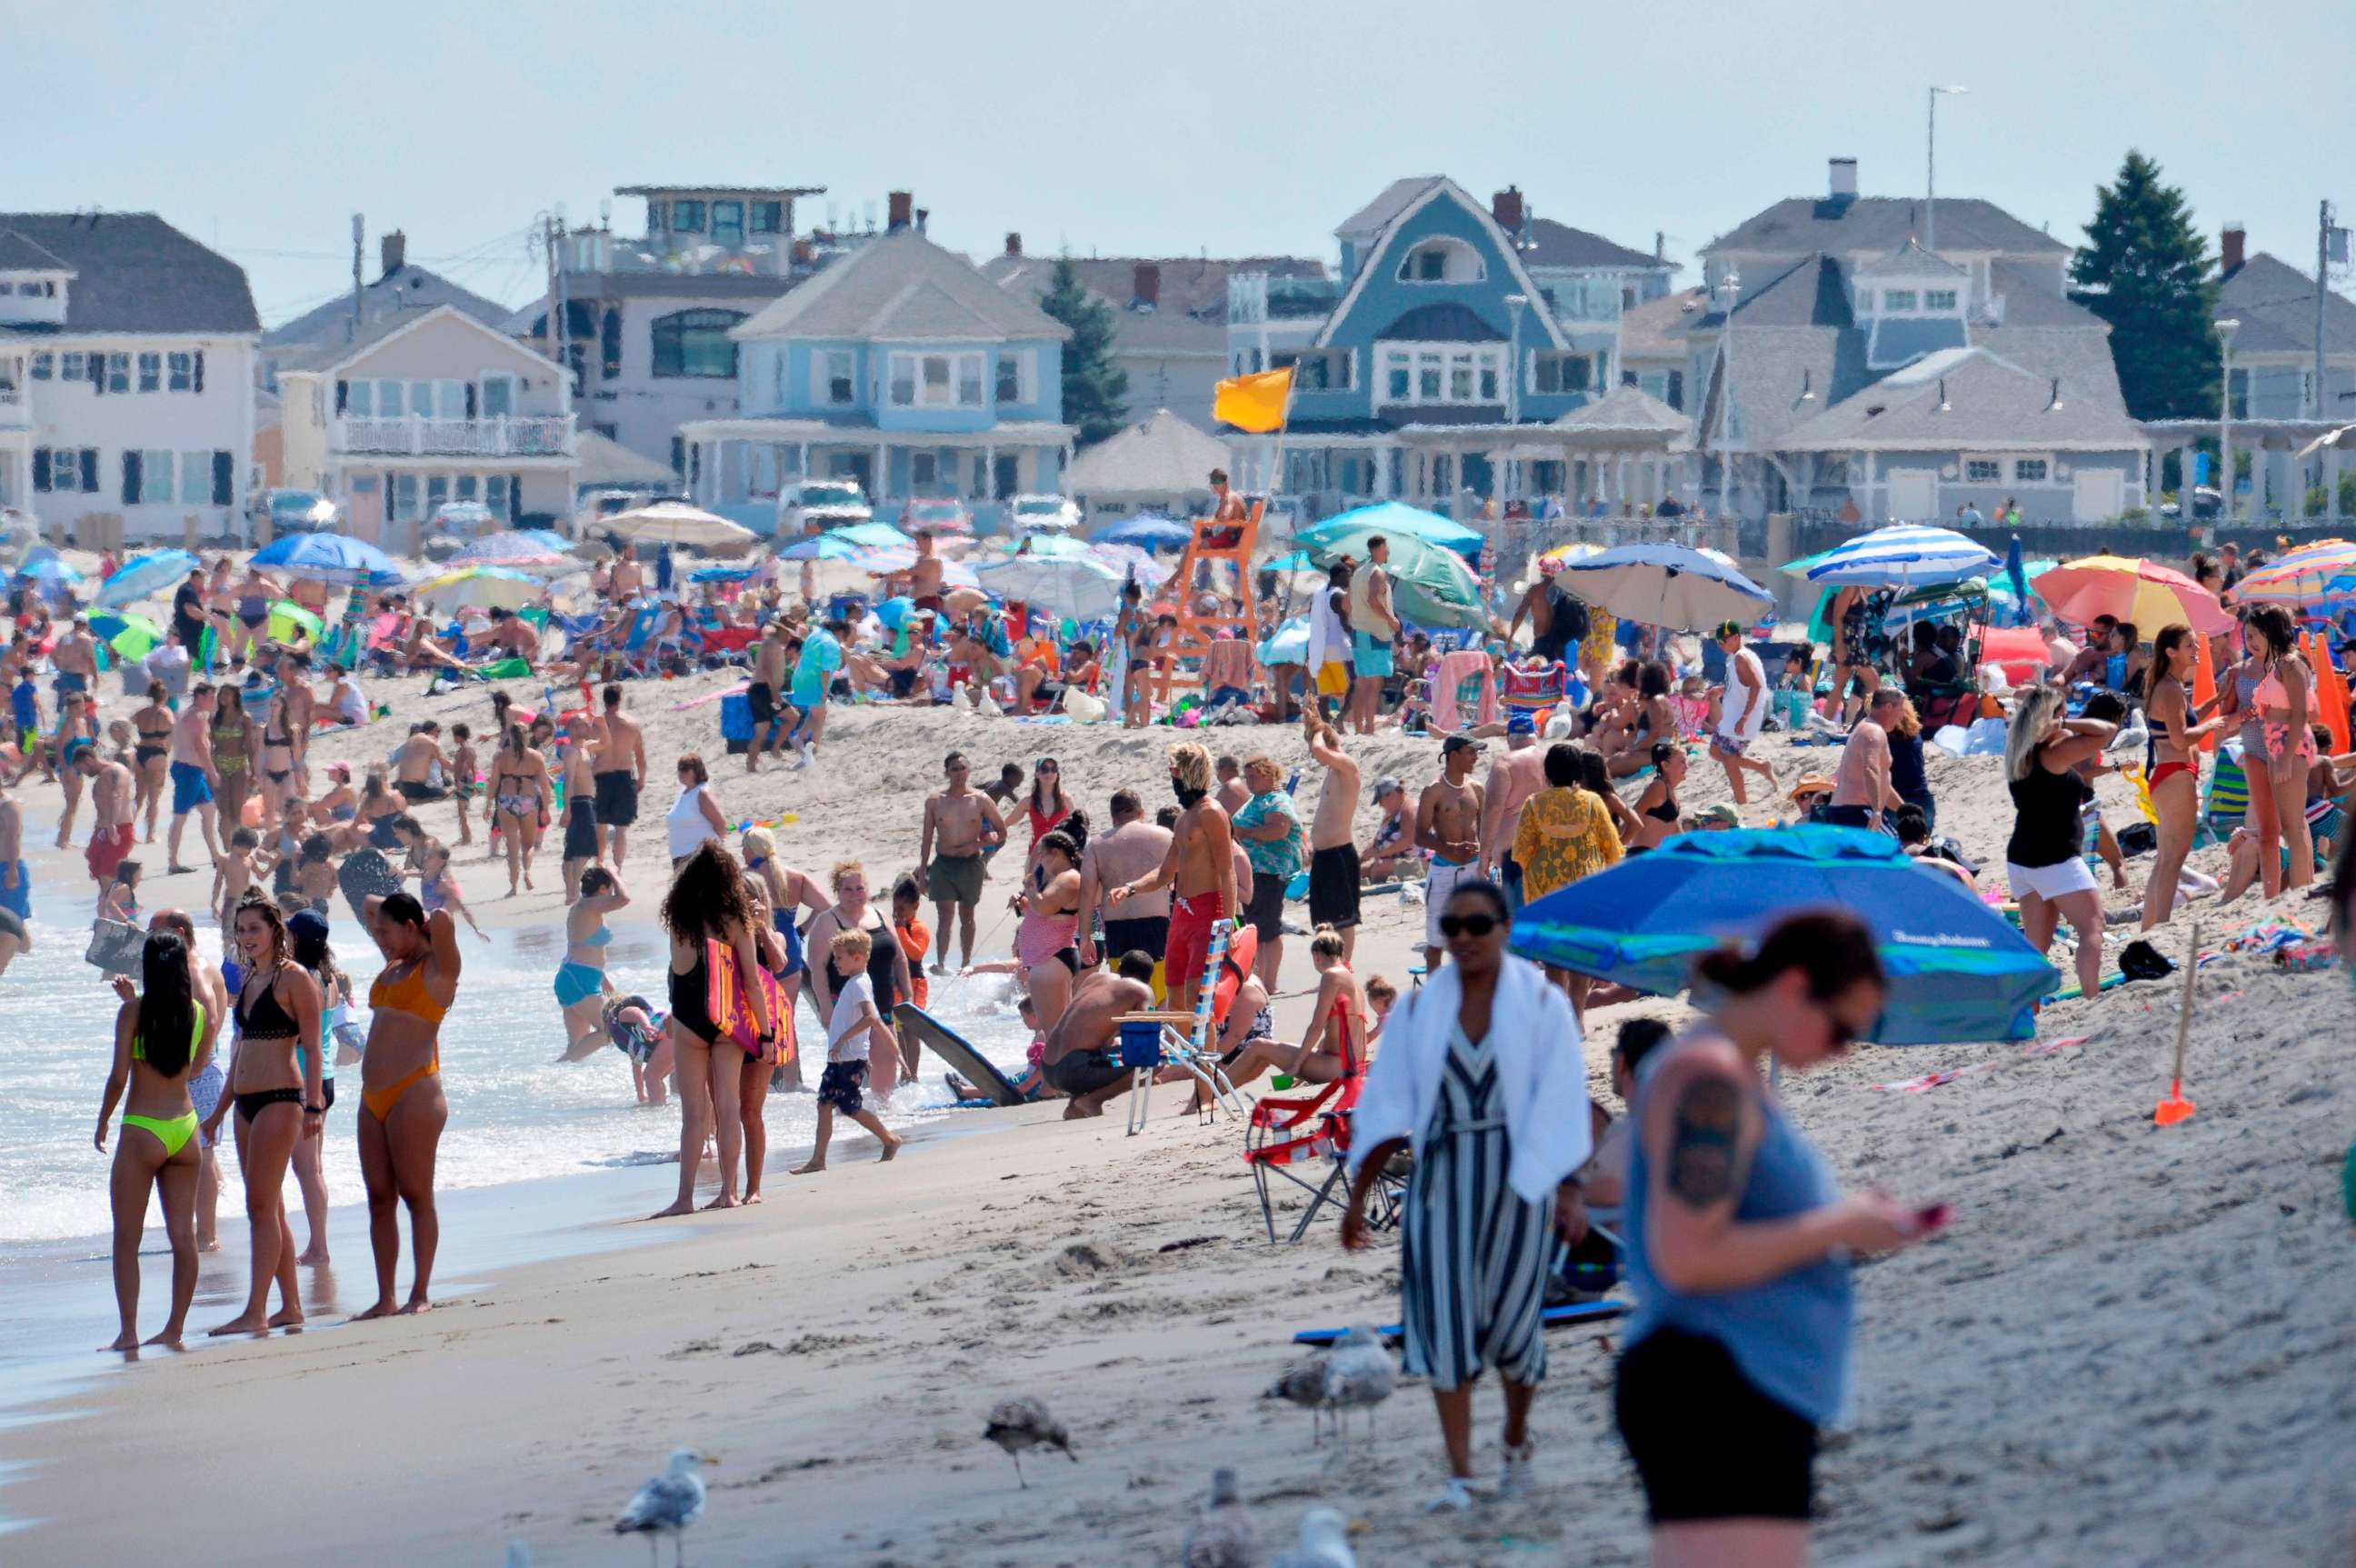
(402, 1109)
(162, 1038)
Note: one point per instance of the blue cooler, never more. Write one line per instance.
(736, 722)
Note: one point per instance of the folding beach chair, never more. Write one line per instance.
(2228, 799)
(1150, 1042)
(1281, 1133)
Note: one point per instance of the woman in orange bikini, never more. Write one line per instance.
(402, 1109)
(1338, 1021)
(2175, 762)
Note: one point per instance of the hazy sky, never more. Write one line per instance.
(1118, 129)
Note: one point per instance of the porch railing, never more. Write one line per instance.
(415, 435)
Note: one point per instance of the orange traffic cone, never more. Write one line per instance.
(2204, 687)
(2176, 1107)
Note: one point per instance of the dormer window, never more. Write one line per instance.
(1897, 299)
(1442, 261)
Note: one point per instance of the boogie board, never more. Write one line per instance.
(365, 874)
(1552, 1317)
(914, 1022)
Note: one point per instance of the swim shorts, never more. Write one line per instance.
(18, 900)
(1084, 1072)
(1332, 679)
(955, 879)
(581, 829)
(1440, 882)
(1149, 936)
(617, 797)
(1191, 920)
(1372, 655)
(1334, 886)
(191, 788)
(840, 1084)
(108, 849)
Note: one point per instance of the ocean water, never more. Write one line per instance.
(515, 1113)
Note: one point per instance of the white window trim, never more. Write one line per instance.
(1447, 242)
(914, 360)
(1954, 299)
(1488, 356)
(1890, 297)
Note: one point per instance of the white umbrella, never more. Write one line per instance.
(479, 587)
(1081, 587)
(677, 523)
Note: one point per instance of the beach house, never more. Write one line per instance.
(1433, 366)
(1844, 367)
(400, 288)
(127, 377)
(901, 366)
(425, 407)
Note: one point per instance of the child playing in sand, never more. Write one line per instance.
(463, 780)
(233, 872)
(854, 1029)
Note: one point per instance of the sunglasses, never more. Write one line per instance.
(1467, 925)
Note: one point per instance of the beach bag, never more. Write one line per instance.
(725, 997)
(116, 946)
(2141, 960)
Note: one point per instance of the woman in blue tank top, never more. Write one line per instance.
(1738, 1240)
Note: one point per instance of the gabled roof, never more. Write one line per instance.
(1433, 187)
(1803, 223)
(1164, 456)
(405, 290)
(19, 254)
(1378, 214)
(1968, 399)
(1777, 378)
(1912, 261)
(2031, 299)
(601, 460)
(135, 273)
(1553, 244)
(2275, 303)
(1449, 323)
(1808, 293)
(1190, 316)
(1655, 328)
(901, 286)
(333, 354)
(1627, 408)
(1898, 341)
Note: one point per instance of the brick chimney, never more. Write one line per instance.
(1505, 207)
(394, 250)
(1145, 287)
(1014, 243)
(2233, 247)
(1840, 180)
(900, 211)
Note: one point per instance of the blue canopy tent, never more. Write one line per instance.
(1395, 519)
(1957, 970)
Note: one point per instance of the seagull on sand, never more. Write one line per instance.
(671, 1501)
(1302, 1382)
(1325, 1543)
(1024, 1422)
(1222, 1536)
(1360, 1376)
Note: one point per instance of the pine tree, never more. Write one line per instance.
(1096, 390)
(2145, 270)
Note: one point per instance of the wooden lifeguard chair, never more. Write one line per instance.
(1197, 631)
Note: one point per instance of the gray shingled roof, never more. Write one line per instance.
(1627, 408)
(1164, 456)
(2275, 303)
(399, 295)
(1803, 223)
(1808, 293)
(135, 273)
(1655, 328)
(1191, 316)
(605, 461)
(19, 254)
(1553, 244)
(1912, 261)
(333, 348)
(1396, 197)
(2030, 299)
(1782, 377)
(901, 286)
(1987, 402)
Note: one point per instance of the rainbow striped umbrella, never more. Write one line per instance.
(2305, 576)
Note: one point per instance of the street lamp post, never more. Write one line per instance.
(1930, 169)
(2226, 326)
(1515, 305)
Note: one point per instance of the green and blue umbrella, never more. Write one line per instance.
(1957, 969)
(1394, 521)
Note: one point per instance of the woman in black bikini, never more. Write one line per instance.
(377, 807)
(1657, 812)
(278, 756)
(518, 795)
(277, 1104)
(153, 752)
(887, 965)
(706, 904)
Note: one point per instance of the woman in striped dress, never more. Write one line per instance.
(1482, 1075)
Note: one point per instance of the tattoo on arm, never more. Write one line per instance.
(1706, 1122)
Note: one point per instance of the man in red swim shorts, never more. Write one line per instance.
(112, 797)
(1199, 870)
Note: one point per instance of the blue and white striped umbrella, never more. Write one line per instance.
(1905, 555)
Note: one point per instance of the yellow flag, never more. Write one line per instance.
(1254, 403)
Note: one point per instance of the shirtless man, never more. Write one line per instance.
(1514, 778)
(961, 824)
(1334, 874)
(1862, 790)
(76, 656)
(113, 792)
(925, 576)
(1226, 506)
(621, 776)
(194, 778)
(511, 636)
(301, 712)
(413, 765)
(629, 579)
(582, 847)
(1199, 870)
(1132, 849)
(1078, 1060)
(1233, 792)
(764, 694)
(1448, 823)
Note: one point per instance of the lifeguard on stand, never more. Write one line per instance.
(1231, 532)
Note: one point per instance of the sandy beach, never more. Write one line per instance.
(2132, 1346)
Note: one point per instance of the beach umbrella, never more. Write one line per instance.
(2305, 576)
(519, 548)
(1081, 586)
(327, 558)
(1288, 644)
(2144, 591)
(1042, 547)
(1666, 585)
(479, 587)
(1393, 521)
(720, 575)
(131, 637)
(1957, 969)
(1431, 583)
(1134, 561)
(42, 564)
(1298, 561)
(675, 523)
(848, 542)
(287, 615)
(1903, 555)
(144, 575)
(894, 613)
(1578, 549)
(1147, 531)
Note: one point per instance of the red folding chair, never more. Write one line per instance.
(1281, 1133)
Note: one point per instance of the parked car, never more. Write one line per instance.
(941, 514)
(296, 511)
(819, 504)
(1024, 514)
(2206, 503)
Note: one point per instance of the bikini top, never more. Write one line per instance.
(407, 994)
(1666, 812)
(596, 938)
(196, 1037)
(267, 1019)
